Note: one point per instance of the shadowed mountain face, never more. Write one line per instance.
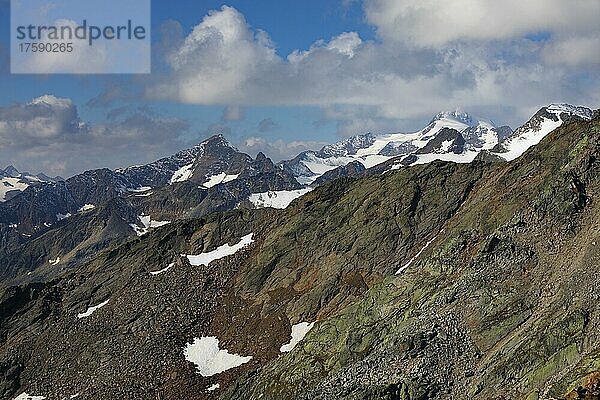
(212, 162)
(445, 280)
(71, 220)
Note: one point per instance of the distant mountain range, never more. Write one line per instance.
(452, 136)
(12, 182)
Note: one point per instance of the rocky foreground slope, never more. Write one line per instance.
(502, 304)
(462, 281)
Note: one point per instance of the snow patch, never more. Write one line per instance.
(147, 223)
(214, 180)
(278, 199)
(405, 266)
(138, 230)
(465, 157)
(143, 191)
(209, 358)
(518, 145)
(60, 217)
(183, 174)
(10, 184)
(25, 396)
(213, 387)
(86, 207)
(163, 270)
(91, 310)
(220, 252)
(140, 189)
(298, 332)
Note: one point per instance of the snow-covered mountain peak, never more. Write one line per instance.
(541, 124)
(12, 181)
(11, 171)
(559, 108)
(471, 135)
(348, 146)
(50, 100)
(456, 115)
(217, 141)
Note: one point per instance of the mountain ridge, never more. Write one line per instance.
(214, 176)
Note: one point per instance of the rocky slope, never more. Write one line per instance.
(501, 303)
(436, 281)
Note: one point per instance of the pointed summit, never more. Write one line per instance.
(217, 144)
(12, 171)
(456, 115)
(219, 139)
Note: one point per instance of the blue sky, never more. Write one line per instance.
(328, 70)
(294, 25)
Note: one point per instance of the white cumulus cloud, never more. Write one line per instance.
(437, 22)
(429, 55)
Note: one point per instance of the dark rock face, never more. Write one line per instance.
(456, 146)
(262, 175)
(159, 173)
(37, 205)
(398, 149)
(409, 160)
(295, 166)
(41, 205)
(10, 171)
(355, 168)
(504, 132)
(218, 156)
(70, 241)
(488, 157)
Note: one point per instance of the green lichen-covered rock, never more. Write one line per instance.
(502, 304)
